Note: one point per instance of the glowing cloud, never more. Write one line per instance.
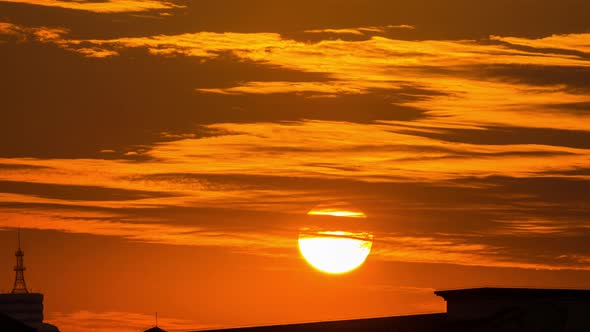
(436, 79)
(336, 213)
(110, 6)
(361, 30)
(573, 42)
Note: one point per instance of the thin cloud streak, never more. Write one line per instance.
(461, 251)
(572, 42)
(109, 6)
(390, 247)
(374, 152)
(155, 233)
(361, 30)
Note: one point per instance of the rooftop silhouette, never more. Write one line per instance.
(474, 310)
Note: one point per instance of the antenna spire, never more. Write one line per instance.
(20, 286)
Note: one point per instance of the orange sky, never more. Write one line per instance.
(163, 155)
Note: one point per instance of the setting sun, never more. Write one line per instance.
(337, 241)
(335, 253)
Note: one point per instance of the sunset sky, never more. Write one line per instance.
(163, 155)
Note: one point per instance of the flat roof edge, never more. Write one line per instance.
(522, 292)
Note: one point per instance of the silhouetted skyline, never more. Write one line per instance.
(21, 310)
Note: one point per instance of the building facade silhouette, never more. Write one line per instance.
(20, 304)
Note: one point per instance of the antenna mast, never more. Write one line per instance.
(20, 286)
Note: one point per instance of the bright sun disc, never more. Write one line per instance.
(334, 254)
(335, 239)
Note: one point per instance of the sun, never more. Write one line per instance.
(334, 253)
(332, 250)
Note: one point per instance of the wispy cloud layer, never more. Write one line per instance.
(350, 119)
(361, 30)
(448, 68)
(571, 42)
(109, 6)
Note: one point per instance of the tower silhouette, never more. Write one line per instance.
(20, 286)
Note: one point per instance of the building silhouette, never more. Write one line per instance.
(473, 310)
(519, 309)
(8, 323)
(20, 305)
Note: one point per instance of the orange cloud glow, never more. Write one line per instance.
(140, 231)
(336, 213)
(110, 6)
(362, 30)
(572, 42)
(434, 77)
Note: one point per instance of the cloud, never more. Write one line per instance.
(75, 192)
(370, 162)
(109, 6)
(572, 42)
(323, 88)
(442, 141)
(467, 251)
(353, 67)
(396, 247)
(138, 231)
(361, 30)
(315, 149)
(513, 215)
(40, 34)
(18, 167)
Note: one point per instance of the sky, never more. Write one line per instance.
(162, 156)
